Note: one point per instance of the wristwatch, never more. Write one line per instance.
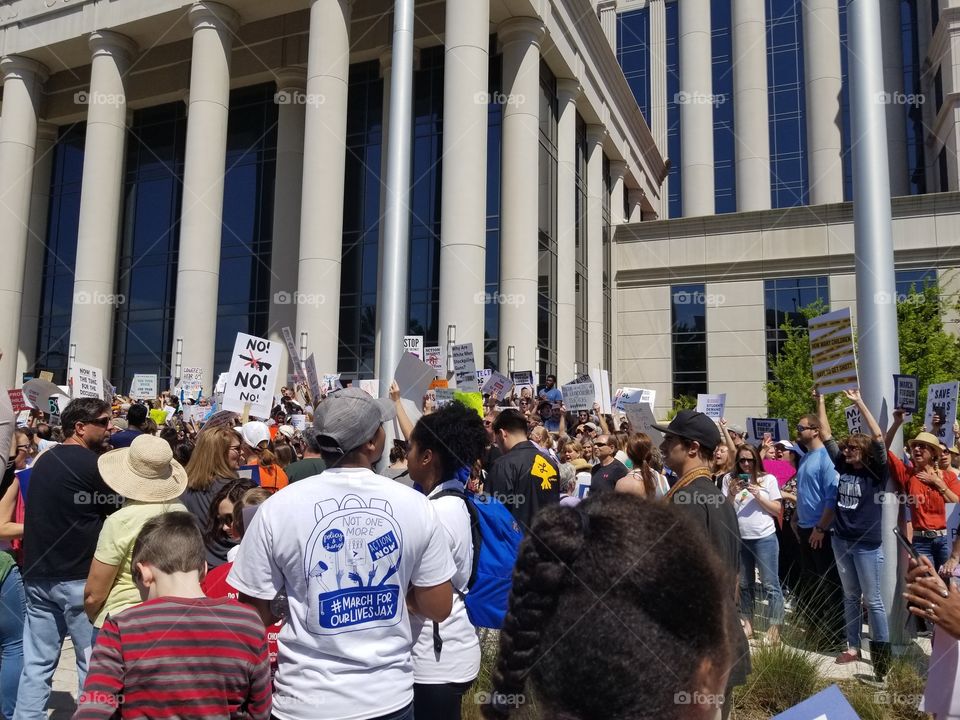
(817, 527)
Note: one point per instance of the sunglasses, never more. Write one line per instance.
(225, 519)
(102, 422)
(801, 428)
(745, 459)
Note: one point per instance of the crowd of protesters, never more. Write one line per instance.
(316, 564)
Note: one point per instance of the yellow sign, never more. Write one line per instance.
(46, 375)
(543, 469)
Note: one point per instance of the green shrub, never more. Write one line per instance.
(782, 676)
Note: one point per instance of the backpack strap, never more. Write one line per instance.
(475, 534)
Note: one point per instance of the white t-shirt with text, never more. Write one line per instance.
(754, 521)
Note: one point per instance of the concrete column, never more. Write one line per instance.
(892, 42)
(658, 76)
(750, 105)
(47, 134)
(101, 194)
(520, 41)
(463, 208)
(821, 62)
(324, 163)
(696, 109)
(635, 199)
(618, 171)
(22, 86)
(567, 93)
(607, 14)
(198, 273)
(595, 136)
(291, 85)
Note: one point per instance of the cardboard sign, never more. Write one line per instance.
(371, 387)
(712, 405)
(191, 379)
(46, 375)
(497, 386)
(829, 704)
(254, 368)
(942, 401)
(442, 396)
(331, 382)
(439, 383)
(17, 401)
(313, 380)
(413, 376)
(300, 374)
(522, 377)
(906, 392)
(464, 366)
(601, 384)
(758, 427)
(578, 396)
(641, 418)
(143, 387)
(433, 357)
(413, 344)
(854, 419)
(87, 381)
(628, 395)
(832, 353)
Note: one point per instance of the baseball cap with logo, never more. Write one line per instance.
(693, 425)
(348, 418)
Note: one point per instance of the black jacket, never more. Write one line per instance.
(524, 479)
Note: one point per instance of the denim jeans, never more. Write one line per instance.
(12, 611)
(937, 549)
(762, 554)
(860, 567)
(53, 610)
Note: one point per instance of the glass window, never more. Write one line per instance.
(847, 147)
(547, 265)
(724, 141)
(689, 339)
(581, 280)
(607, 270)
(491, 345)
(785, 299)
(633, 53)
(918, 280)
(674, 195)
(912, 66)
(944, 168)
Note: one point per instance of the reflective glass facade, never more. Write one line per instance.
(494, 144)
(847, 149)
(674, 151)
(633, 54)
(784, 299)
(688, 311)
(547, 261)
(607, 270)
(724, 139)
(580, 264)
(912, 67)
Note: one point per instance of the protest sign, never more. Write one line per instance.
(442, 396)
(578, 396)
(17, 401)
(831, 352)
(829, 704)
(628, 395)
(371, 387)
(313, 381)
(413, 377)
(331, 382)
(482, 377)
(413, 344)
(906, 392)
(439, 383)
(46, 375)
(433, 357)
(221, 385)
(191, 380)
(8, 418)
(87, 381)
(158, 416)
(294, 355)
(464, 366)
(252, 377)
(854, 419)
(942, 402)
(601, 390)
(641, 418)
(497, 386)
(522, 377)
(143, 387)
(108, 390)
(712, 405)
(472, 400)
(758, 427)
(299, 422)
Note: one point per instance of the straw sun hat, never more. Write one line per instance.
(145, 471)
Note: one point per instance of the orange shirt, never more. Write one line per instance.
(271, 478)
(927, 506)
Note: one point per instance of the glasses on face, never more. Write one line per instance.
(235, 448)
(801, 428)
(745, 460)
(102, 422)
(225, 519)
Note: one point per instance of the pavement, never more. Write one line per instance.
(63, 700)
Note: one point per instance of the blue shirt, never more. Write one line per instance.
(816, 487)
(123, 438)
(554, 395)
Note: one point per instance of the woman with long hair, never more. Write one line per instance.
(756, 498)
(219, 528)
(643, 480)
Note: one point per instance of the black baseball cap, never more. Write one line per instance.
(693, 425)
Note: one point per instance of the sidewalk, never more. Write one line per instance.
(64, 696)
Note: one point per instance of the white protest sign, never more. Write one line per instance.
(641, 418)
(854, 419)
(601, 390)
(143, 387)
(628, 395)
(442, 396)
(906, 392)
(464, 366)
(191, 380)
(371, 387)
(712, 405)
(87, 381)
(578, 396)
(433, 357)
(254, 367)
(413, 377)
(758, 427)
(831, 352)
(497, 386)
(37, 393)
(942, 401)
(294, 355)
(221, 385)
(313, 381)
(413, 344)
(331, 382)
(299, 422)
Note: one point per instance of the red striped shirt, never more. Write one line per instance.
(179, 657)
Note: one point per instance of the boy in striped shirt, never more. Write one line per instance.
(179, 654)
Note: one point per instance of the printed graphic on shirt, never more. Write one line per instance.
(848, 493)
(353, 552)
(542, 469)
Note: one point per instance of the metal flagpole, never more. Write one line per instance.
(396, 236)
(876, 285)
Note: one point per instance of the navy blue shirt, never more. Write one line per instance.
(123, 438)
(859, 495)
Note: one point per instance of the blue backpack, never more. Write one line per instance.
(496, 540)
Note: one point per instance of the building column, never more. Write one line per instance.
(47, 134)
(291, 85)
(324, 166)
(23, 81)
(821, 63)
(101, 195)
(696, 109)
(607, 14)
(658, 77)
(635, 201)
(567, 93)
(198, 271)
(618, 172)
(892, 43)
(386, 74)
(750, 105)
(463, 208)
(595, 137)
(519, 237)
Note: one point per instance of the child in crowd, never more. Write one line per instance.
(179, 653)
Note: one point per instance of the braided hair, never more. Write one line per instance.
(616, 604)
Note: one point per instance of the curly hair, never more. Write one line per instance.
(454, 433)
(635, 573)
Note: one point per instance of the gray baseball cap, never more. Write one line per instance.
(348, 418)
